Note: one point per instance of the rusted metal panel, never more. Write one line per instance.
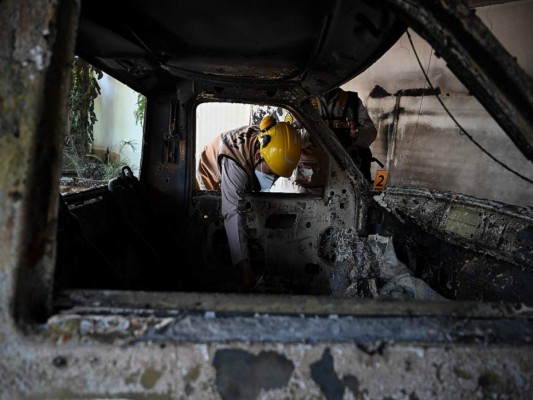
(39, 44)
(292, 233)
(488, 227)
(160, 346)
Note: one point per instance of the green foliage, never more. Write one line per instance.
(77, 155)
(81, 116)
(85, 89)
(140, 110)
(110, 165)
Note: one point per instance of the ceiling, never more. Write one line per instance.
(151, 45)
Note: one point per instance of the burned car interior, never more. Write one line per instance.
(158, 232)
(362, 289)
(177, 64)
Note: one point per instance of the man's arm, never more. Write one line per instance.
(234, 184)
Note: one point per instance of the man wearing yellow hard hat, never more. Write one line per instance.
(244, 160)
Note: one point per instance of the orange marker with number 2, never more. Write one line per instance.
(381, 179)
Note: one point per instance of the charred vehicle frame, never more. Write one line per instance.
(140, 313)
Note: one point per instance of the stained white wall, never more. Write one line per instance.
(114, 109)
(424, 147)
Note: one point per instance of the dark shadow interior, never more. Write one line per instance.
(110, 238)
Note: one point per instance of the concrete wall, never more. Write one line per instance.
(420, 144)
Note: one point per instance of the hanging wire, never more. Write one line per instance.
(420, 105)
(457, 123)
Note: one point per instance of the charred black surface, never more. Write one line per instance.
(325, 376)
(114, 240)
(317, 47)
(378, 92)
(418, 92)
(440, 239)
(267, 370)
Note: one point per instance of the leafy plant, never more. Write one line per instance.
(138, 113)
(110, 165)
(81, 116)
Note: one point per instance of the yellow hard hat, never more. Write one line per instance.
(267, 122)
(280, 147)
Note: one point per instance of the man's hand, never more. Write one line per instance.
(350, 124)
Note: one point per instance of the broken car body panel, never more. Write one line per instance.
(60, 343)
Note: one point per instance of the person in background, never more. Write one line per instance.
(310, 175)
(346, 115)
(243, 160)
